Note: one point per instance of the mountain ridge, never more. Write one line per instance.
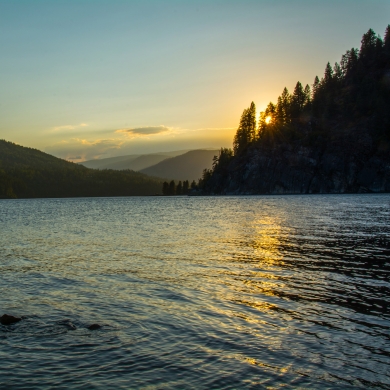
(188, 166)
(30, 173)
(107, 163)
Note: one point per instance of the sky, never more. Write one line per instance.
(93, 79)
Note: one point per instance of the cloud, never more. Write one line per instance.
(145, 130)
(77, 149)
(69, 127)
(140, 140)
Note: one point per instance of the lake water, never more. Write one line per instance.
(196, 292)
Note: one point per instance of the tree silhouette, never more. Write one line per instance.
(186, 186)
(179, 188)
(246, 131)
(172, 188)
(165, 189)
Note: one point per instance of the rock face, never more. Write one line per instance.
(348, 165)
(6, 319)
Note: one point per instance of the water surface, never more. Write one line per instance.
(196, 292)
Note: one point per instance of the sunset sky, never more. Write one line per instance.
(95, 79)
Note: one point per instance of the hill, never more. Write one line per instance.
(102, 163)
(333, 138)
(135, 162)
(30, 173)
(138, 163)
(188, 166)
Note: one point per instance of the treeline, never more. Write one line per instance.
(348, 106)
(29, 173)
(182, 188)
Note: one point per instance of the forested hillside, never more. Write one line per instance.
(333, 137)
(141, 162)
(135, 162)
(29, 173)
(188, 166)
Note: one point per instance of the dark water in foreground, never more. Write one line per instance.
(227, 292)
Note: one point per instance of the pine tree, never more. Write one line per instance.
(267, 118)
(307, 93)
(328, 75)
(348, 65)
(165, 189)
(172, 188)
(186, 186)
(283, 108)
(179, 189)
(316, 87)
(368, 44)
(337, 72)
(246, 131)
(386, 46)
(297, 100)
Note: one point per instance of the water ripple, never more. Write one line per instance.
(224, 292)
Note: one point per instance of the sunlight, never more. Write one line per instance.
(268, 119)
(267, 239)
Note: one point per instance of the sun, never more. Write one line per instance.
(268, 119)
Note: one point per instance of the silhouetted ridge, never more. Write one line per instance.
(29, 173)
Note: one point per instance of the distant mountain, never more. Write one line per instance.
(30, 173)
(102, 163)
(188, 166)
(138, 163)
(135, 162)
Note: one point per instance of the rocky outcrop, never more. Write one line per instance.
(94, 327)
(6, 319)
(350, 165)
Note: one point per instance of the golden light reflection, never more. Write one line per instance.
(267, 240)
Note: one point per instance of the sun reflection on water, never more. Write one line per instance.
(267, 239)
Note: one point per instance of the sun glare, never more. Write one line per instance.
(268, 119)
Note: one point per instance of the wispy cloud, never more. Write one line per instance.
(145, 130)
(77, 149)
(151, 139)
(69, 127)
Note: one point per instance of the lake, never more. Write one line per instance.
(196, 292)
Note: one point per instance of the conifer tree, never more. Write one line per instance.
(337, 72)
(307, 93)
(328, 74)
(179, 188)
(165, 189)
(186, 186)
(297, 100)
(348, 65)
(386, 46)
(267, 118)
(368, 44)
(172, 188)
(282, 111)
(246, 131)
(316, 87)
